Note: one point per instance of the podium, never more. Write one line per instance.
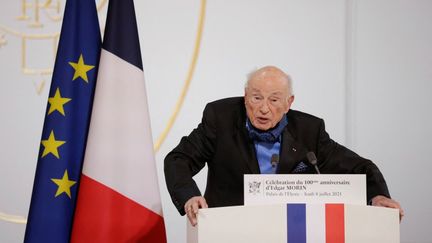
(296, 223)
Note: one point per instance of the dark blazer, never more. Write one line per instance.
(221, 140)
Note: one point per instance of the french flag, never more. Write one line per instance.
(118, 198)
(336, 223)
(317, 223)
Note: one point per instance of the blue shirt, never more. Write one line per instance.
(264, 152)
(267, 143)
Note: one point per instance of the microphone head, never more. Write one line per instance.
(274, 160)
(311, 158)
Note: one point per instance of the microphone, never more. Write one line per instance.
(274, 160)
(313, 160)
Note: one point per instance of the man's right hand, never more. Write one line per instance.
(191, 208)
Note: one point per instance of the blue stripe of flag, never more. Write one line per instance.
(296, 223)
(127, 47)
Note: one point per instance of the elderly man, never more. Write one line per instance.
(239, 135)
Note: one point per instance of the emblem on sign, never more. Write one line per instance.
(255, 187)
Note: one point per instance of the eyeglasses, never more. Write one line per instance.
(274, 101)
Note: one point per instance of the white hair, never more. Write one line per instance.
(252, 73)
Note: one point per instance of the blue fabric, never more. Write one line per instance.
(272, 135)
(266, 144)
(52, 206)
(264, 152)
(301, 168)
(127, 47)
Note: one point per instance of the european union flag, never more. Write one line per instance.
(66, 125)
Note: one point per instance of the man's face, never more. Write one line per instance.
(267, 100)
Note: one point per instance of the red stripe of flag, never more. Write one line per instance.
(111, 217)
(335, 223)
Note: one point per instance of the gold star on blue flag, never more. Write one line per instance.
(64, 133)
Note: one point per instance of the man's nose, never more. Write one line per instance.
(264, 108)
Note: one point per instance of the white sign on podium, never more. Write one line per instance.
(304, 188)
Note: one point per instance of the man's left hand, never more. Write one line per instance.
(382, 201)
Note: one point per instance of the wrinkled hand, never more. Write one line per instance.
(382, 201)
(191, 208)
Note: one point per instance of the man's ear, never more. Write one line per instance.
(290, 101)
